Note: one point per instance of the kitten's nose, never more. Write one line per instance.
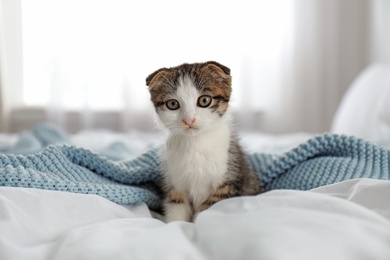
(189, 122)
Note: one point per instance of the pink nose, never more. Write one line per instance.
(188, 122)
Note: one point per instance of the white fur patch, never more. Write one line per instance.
(187, 95)
(175, 212)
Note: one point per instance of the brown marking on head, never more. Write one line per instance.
(217, 79)
(160, 84)
(210, 78)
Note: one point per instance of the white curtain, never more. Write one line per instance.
(329, 48)
(10, 59)
(94, 56)
(380, 40)
(85, 62)
(2, 121)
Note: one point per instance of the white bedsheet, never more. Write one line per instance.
(347, 220)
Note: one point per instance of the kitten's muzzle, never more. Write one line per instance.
(189, 122)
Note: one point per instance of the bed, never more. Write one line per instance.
(345, 217)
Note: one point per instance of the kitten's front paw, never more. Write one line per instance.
(177, 212)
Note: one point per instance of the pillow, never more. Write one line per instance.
(365, 109)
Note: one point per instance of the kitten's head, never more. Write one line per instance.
(190, 98)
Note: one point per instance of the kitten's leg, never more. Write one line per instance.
(222, 192)
(177, 207)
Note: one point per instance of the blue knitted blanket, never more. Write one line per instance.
(44, 159)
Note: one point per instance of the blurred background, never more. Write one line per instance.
(82, 64)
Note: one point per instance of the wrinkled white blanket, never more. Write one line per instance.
(347, 220)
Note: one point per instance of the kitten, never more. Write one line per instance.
(203, 161)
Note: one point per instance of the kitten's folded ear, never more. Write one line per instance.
(155, 76)
(217, 71)
(212, 65)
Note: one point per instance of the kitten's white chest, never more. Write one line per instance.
(196, 164)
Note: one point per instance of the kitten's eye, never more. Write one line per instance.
(204, 101)
(172, 104)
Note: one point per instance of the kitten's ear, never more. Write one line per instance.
(215, 68)
(155, 77)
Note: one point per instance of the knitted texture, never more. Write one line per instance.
(322, 160)
(72, 169)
